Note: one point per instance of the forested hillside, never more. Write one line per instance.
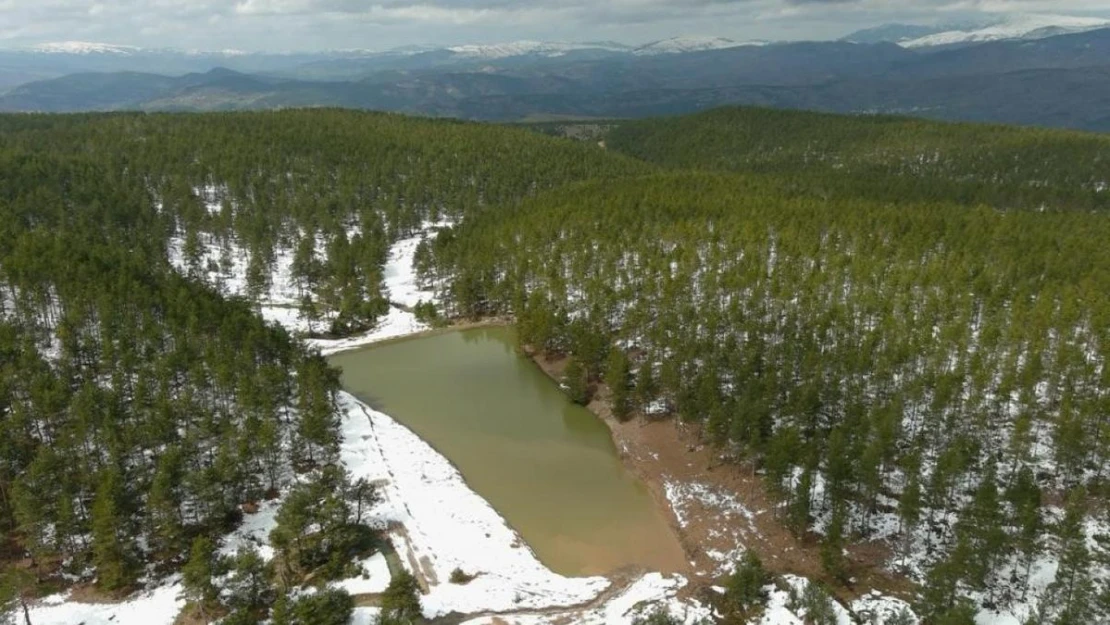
(141, 409)
(901, 326)
(880, 157)
(325, 190)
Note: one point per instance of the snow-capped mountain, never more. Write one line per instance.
(529, 48)
(902, 33)
(83, 47)
(1016, 27)
(679, 45)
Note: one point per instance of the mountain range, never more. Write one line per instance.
(1038, 70)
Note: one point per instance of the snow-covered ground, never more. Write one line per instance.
(436, 523)
(254, 532)
(154, 607)
(447, 526)
(374, 579)
(404, 293)
(651, 592)
(878, 609)
(734, 523)
(224, 266)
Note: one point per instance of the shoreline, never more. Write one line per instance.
(553, 367)
(658, 495)
(331, 347)
(718, 507)
(714, 505)
(435, 521)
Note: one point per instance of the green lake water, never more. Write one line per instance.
(548, 466)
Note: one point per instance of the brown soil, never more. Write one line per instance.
(666, 450)
(192, 615)
(90, 593)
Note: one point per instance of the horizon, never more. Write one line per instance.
(417, 47)
(313, 26)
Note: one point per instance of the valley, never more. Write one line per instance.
(1015, 71)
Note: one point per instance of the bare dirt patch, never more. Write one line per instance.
(90, 593)
(191, 614)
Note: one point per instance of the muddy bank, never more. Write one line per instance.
(719, 506)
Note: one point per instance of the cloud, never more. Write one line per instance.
(303, 24)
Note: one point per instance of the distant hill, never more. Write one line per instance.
(1019, 27)
(892, 33)
(679, 45)
(1061, 80)
(1086, 49)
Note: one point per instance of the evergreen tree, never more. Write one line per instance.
(575, 383)
(832, 547)
(112, 554)
(249, 592)
(326, 607)
(617, 377)
(401, 600)
(817, 606)
(197, 574)
(745, 591)
(1070, 598)
(646, 390)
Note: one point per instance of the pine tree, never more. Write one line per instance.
(111, 554)
(196, 575)
(745, 590)
(327, 607)
(575, 383)
(646, 390)
(832, 547)
(16, 588)
(801, 504)
(1025, 498)
(818, 606)
(401, 600)
(249, 591)
(1070, 598)
(617, 377)
(982, 528)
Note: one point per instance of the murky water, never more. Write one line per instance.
(548, 466)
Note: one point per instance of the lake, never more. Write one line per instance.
(548, 466)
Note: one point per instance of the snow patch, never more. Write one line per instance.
(403, 291)
(680, 45)
(254, 532)
(651, 592)
(447, 525)
(525, 48)
(374, 579)
(158, 606)
(84, 47)
(365, 616)
(1017, 27)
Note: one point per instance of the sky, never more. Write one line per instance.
(304, 25)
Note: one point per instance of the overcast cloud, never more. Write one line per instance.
(283, 25)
